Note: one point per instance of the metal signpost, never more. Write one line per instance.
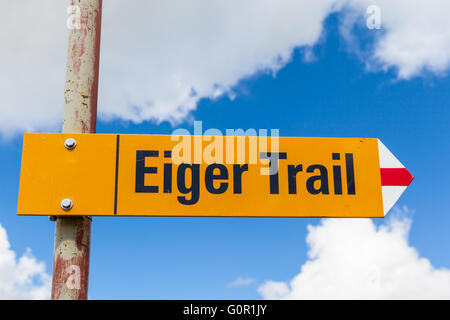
(73, 234)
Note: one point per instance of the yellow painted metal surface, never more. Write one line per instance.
(122, 176)
(51, 173)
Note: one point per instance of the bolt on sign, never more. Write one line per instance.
(232, 176)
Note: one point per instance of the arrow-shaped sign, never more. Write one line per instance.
(232, 176)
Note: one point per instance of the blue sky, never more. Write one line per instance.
(334, 95)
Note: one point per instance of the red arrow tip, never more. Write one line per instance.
(395, 177)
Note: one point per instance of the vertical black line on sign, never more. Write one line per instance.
(350, 173)
(117, 174)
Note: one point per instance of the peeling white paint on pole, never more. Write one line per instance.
(71, 258)
(73, 235)
(80, 105)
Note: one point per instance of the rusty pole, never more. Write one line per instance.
(73, 234)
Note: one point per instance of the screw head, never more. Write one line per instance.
(66, 204)
(70, 143)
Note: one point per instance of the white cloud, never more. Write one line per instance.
(160, 57)
(414, 35)
(180, 47)
(241, 282)
(355, 259)
(22, 278)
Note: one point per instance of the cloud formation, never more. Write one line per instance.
(241, 282)
(414, 37)
(159, 58)
(21, 278)
(355, 259)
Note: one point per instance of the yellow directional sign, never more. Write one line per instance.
(231, 176)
